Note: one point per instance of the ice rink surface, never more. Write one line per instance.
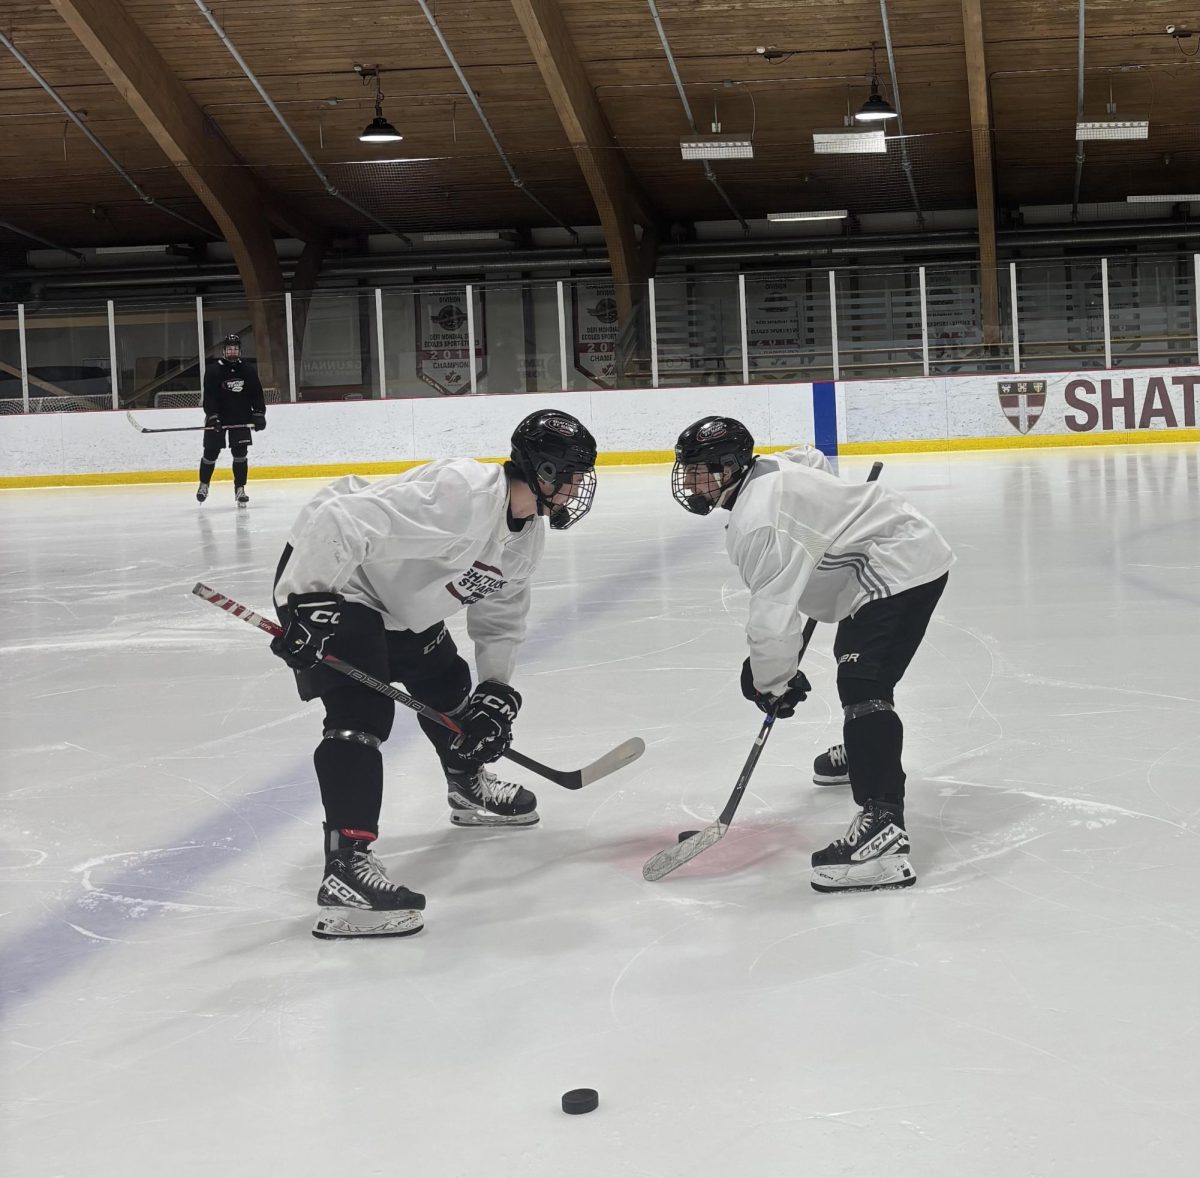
(1028, 1009)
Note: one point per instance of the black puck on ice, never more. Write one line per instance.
(684, 835)
(580, 1100)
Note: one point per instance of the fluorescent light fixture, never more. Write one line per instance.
(828, 215)
(850, 141)
(1113, 129)
(469, 235)
(716, 149)
(1159, 200)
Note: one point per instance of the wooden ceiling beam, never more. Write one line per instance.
(985, 185)
(619, 201)
(232, 196)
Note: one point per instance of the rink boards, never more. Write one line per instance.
(990, 411)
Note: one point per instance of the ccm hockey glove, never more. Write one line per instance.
(487, 722)
(258, 420)
(784, 705)
(212, 421)
(313, 619)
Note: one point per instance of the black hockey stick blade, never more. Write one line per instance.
(610, 762)
(173, 429)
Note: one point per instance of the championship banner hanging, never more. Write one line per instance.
(443, 345)
(777, 333)
(594, 328)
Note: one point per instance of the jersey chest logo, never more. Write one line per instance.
(235, 386)
(479, 581)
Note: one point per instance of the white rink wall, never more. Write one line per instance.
(850, 416)
(368, 433)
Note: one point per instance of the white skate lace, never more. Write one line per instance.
(861, 819)
(492, 789)
(837, 755)
(368, 870)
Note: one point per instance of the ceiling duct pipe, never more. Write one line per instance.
(692, 253)
(905, 162)
(143, 195)
(473, 99)
(709, 174)
(206, 12)
(41, 240)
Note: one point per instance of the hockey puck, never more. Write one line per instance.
(580, 1100)
(684, 835)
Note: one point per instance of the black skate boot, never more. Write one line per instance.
(201, 492)
(478, 797)
(831, 767)
(872, 854)
(356, 897)
(240, 496)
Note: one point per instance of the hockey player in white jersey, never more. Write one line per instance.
(807, 543)
(370, 573)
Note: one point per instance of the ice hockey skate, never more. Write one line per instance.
(871, 855)
(356, 897)
(831, 767)
(201, 492)
(478, 797)
(240, 496)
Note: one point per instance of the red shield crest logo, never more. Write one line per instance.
(1022, 402)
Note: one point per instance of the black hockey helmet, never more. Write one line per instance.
(232, 340)
(713, 443)
(557, 449)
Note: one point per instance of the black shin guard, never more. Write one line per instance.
(206, 469)
(241, 467)
(350, 773)
(874, 740)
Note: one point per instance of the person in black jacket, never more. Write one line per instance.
(233, 403)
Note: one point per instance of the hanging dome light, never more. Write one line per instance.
(876, 109)
(378, 130)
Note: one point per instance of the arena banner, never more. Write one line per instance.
(780, 333)
(1030, 407)
(443, 346)
(594, 328)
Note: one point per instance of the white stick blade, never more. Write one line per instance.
(618, 758)
(671, 857)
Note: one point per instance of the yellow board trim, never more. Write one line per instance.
(1138, 437)
(613, 458)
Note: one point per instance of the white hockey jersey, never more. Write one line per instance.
(418, 548)
(807, 543)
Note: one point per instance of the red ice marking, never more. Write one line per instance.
(747, 844)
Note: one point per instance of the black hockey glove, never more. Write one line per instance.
(313, 620)
(784, 705)
(487, 722)
(258, 420)
(212, 421)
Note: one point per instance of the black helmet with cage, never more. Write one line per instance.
(553, 448)
(234, 342)
(712, 457)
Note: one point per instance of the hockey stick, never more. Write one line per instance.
(614, 759)
(692, 842)
(174, 429)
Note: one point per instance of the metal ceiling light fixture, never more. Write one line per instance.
(850, 141)
(876, 109)
(378, 130)
(824, 215)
